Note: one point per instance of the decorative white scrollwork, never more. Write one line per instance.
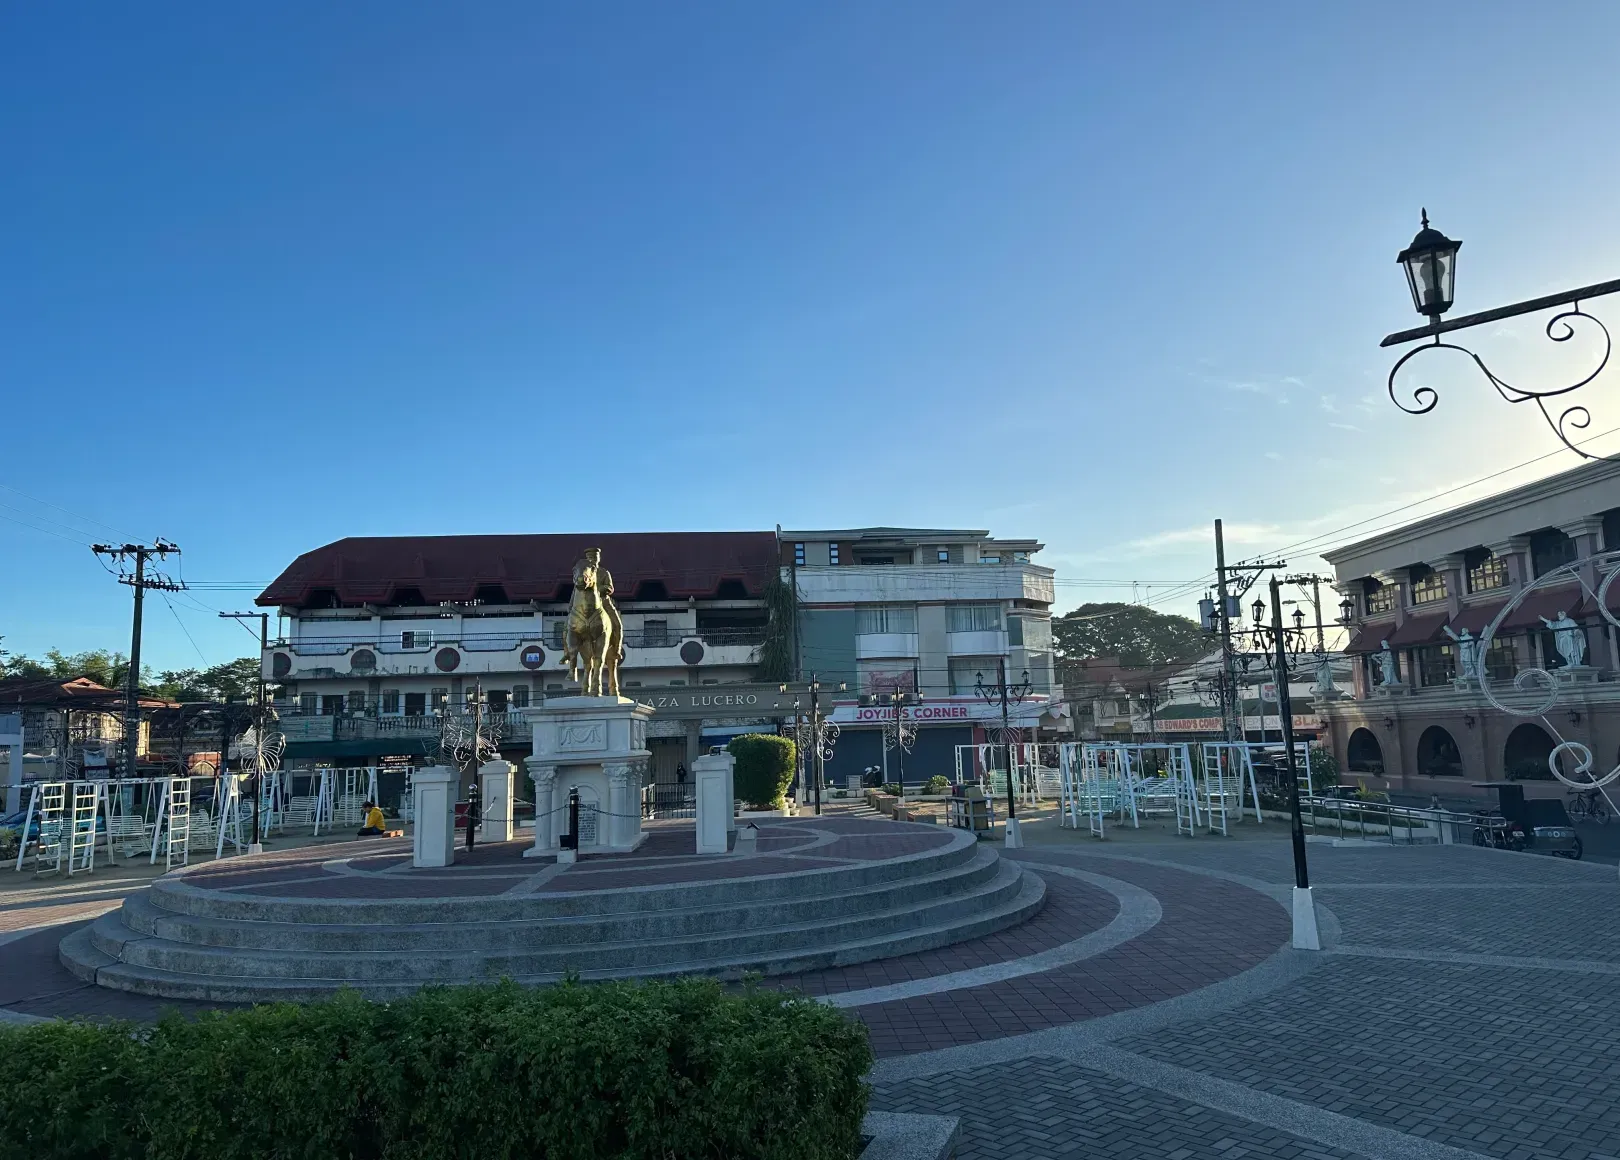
(1540, 688)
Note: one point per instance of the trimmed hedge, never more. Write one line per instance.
(764, 768)
(577, 1071)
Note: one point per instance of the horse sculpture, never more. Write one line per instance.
(594, 640)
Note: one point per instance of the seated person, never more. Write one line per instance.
(375, 825)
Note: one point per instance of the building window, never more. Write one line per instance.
(308, 703)
(1485, 571)
(1427, 585)
(555, 633)
(1550, 549)
(943, 555)
(331, 704)
(1040, 671)
(875, 560)
(655, 634)
(1436, 664)
(882, 618)
(1611, 530)
(972, 617)
(1020, 557)
(1502, 661)
(441, 700)
(497, 700)
(798, 554)
(520, 696)
(415, 704)
(967, 672)
(415, 639)
(832, 553)
(357, 701)
(552, 687)
(987, 557)
(390, 701)
(1380, 597)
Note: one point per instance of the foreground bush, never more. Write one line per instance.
(657, 1070)
(764, 768)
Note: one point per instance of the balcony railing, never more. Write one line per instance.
(297, 725)
(633, 638)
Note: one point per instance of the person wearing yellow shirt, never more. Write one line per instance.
(376, 825)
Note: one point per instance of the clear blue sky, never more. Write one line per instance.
(275, 274)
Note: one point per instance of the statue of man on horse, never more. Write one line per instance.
(594, 641)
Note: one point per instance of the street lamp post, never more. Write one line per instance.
(1004, 692)
(904, 737)
(1277, 639)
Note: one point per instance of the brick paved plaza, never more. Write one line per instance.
(1465, 1004)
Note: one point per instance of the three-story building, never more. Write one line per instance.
(1421, 587)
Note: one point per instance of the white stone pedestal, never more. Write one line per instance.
(495, 780)
(716, 801)
(433, 800)
(1576, 675)
(597, 745)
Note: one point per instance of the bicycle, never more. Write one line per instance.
(1588, 804)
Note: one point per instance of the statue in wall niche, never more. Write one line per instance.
(1324, 674)
(1467, 654)
(593, 645)
(1387, 674)
(1568, 638)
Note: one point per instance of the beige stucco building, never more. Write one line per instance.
(1419, 587)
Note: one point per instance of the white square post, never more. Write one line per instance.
(495, 779)
(716, 801)
(433, 797)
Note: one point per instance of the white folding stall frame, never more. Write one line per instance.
(172, 829)
(1227, 766)
(228, 813)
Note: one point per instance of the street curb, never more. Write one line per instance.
(902, 1136)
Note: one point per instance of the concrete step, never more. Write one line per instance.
(111, 935)
(86, 961)
(145, 916)
(178, 895)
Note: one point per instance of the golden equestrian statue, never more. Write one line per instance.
(595, 634)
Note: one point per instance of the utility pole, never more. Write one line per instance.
(258, 722)
(140, 582)
(1234, 728)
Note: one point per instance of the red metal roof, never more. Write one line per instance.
(1369, 636)
(372, 569)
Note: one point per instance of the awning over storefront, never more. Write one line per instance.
(1549, 604)
(1367, 638)
(1419, 629)
(1474, 617)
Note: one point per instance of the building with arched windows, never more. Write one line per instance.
(1420, 723)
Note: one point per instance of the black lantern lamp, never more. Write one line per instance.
(1347, 610)
(1259, 610)
(1299, 620)
(1431, 270)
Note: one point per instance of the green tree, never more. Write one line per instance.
(1138, 636)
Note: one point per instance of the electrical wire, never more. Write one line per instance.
(183, 627)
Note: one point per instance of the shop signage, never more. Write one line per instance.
(941, 712)
(747, 701)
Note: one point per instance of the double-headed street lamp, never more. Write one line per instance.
(1004, 692)
(1430, 264)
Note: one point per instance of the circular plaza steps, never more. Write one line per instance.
(867, 890)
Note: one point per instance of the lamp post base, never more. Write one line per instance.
(1306, 935)
(256, 848)
(1015, 836)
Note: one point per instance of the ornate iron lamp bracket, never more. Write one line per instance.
(1564, 420)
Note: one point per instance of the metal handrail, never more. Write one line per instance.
(1415, 817)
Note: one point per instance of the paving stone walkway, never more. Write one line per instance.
(1465, 1006)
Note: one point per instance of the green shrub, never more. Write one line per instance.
(764, 768)
(939, 783)
(892, 788)
(1530, 770)
(1324, 769)
(668, 1069)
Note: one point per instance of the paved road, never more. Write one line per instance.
(1464, 1006)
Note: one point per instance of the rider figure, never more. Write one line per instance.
(603, 582)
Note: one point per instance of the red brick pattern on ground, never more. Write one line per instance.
(1211, 930)
(1073, 910)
